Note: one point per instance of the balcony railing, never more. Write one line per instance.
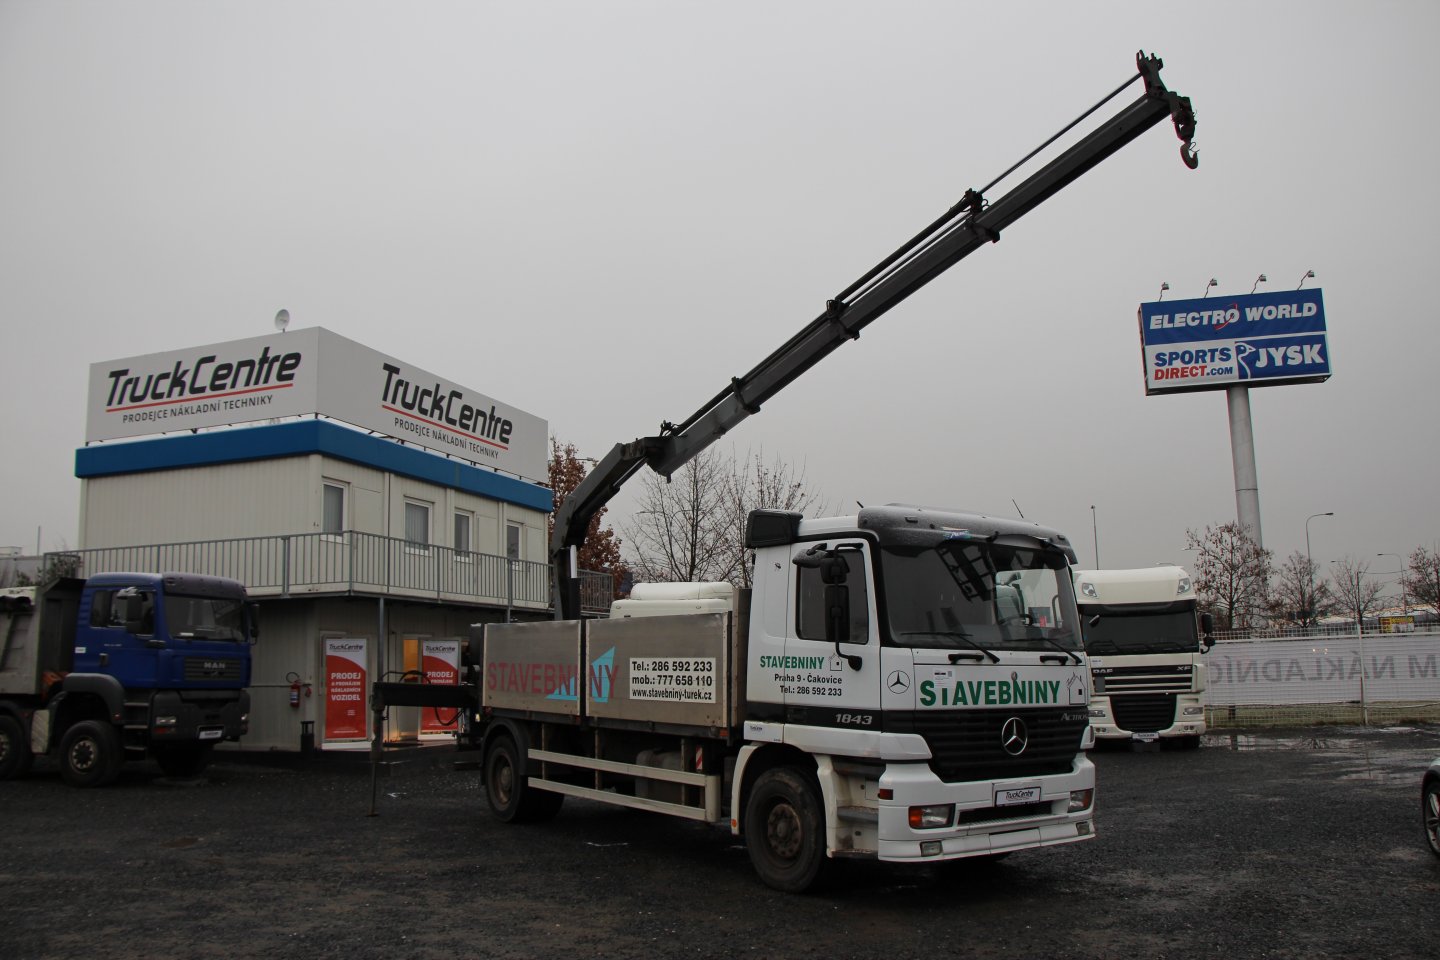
(347, 563)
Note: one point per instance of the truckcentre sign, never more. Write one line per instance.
(1258, 339)
(311, 371)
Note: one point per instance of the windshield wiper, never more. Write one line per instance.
(1066, 650)
(957, 634)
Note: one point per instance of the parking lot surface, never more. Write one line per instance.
(1293, 843)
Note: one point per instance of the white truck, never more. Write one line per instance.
(1145, 645)
(903, 684)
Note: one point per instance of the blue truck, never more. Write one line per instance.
(123, 666)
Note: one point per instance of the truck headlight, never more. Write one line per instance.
(1081, 799)
(1096, 712)
(933, 817)
(1193, 711)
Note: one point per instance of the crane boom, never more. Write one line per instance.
(961, 230)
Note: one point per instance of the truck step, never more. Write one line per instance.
(858, 814)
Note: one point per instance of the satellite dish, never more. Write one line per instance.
(282, 320)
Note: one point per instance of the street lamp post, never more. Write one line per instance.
(1404, 601)
(1310, 565)
(1095, 531)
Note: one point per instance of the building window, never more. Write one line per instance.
(513, 541)
(463, 522)
(332, 509)
(417, 524)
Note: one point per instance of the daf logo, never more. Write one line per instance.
(1014, 737)
(899, 682)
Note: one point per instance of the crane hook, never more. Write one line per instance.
(1190, 154)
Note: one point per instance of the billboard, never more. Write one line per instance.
(1255, 340)
(311, 371)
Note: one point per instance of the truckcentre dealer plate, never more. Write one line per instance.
(1011, 797)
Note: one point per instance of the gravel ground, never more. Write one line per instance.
(1275, 844)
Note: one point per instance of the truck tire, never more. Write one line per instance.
(183, 761)
(90, 754)
(1430, 813)
(511, 797)
(15, 753)
(785, 830)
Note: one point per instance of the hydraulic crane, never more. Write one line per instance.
(973, 222)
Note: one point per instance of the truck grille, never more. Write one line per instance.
(1143, 713)
(967, 745)
(1156, 679)
(212, 668)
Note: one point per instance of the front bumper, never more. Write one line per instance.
(180, 716)
(981, 827)
(1188, 721)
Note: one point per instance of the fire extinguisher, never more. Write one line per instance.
(295, 686)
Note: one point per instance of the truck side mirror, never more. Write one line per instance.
(137, 614)
(253, 610)
(1207, 627)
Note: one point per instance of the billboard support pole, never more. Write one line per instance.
(1242, 454)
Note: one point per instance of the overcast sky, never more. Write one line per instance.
(599, 212)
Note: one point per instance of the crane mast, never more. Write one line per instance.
(970, 224)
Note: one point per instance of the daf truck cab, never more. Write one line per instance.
(1145, 644)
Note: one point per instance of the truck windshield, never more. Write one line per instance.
(204, 618)
(968, 593)
(1122, 632)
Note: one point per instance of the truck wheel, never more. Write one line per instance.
(1430, 813)
(183, 761)
(785, 830)
(90, 754)
(15, 753)
(512, 799)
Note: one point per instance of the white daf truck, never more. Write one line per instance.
(1145, 645)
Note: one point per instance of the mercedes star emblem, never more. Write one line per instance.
(1014, 737)
(899, 682)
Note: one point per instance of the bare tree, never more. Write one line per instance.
(1232, 573)
(1422, 577)
(682, 527)
(758, 485)
(694, 527)
(1356, 595)
(1295, 594)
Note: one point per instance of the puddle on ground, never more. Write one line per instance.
(1352, 757)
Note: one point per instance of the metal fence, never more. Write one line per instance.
(346, 563)
(1324, 675)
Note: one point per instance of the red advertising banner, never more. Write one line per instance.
(345, 683)
(441, 663)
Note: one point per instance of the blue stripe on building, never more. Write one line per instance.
(301, 438)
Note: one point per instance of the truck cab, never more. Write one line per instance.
(933, 674)
(124, 666)
(1145, 645)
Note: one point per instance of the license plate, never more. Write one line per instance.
(1145, 737)
(211, 734)
(1009, 798)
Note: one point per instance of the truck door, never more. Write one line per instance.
(826, 683)
(112, 637)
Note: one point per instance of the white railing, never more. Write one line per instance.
(346, 563)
